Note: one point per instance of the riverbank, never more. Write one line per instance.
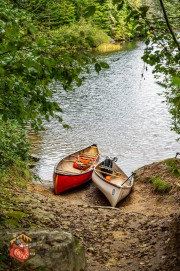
(142, 233)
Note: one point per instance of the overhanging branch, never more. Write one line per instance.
(168, 24)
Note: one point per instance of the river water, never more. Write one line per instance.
(118, 109)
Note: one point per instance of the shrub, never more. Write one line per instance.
(14, 146)
(14, 172)
(90, 35)
(174, 166)
(160, 186)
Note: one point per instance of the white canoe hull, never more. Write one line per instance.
(114, 192)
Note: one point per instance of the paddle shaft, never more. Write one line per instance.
(128, 178)
(110, 174)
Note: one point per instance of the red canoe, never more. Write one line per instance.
(75, 169)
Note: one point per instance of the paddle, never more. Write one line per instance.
(128, 178)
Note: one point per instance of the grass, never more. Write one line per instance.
(174, 167)
(160, 186)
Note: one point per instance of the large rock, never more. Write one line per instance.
(50, 249)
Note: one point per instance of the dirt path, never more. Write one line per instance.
(142, 233)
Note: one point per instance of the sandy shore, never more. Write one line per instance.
(141, 233)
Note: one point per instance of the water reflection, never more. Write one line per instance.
(119, 110)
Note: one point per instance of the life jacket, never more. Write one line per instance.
(82, 163)
(107, 166)
(108, 162)
(108, 178)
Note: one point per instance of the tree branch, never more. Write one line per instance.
(168, 24)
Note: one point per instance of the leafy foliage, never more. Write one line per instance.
(163, 53)
(36, 52)
(14, 171)
(90, 35)
(30, 60)
(50, 14)
(120, 19)
(14, 146)
(174, 167)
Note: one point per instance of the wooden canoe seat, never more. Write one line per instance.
(86, 156)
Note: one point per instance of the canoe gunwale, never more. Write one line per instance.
(71, 173)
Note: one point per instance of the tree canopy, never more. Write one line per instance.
(31, 59)
(42, 42)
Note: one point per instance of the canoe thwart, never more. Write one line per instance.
(111, 174)
(86, 156)
(68, 160)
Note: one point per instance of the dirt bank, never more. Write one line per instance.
(142, 233)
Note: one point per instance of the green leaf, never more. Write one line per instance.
(41, 42)
(144, 9)
(66, 126)
(97, 67)
(90, 11)
(104, 65)
(82, 34)
(2, 71)
(32, 29)
(32, 70)
(176, 80)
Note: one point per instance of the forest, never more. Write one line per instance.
(47, 41)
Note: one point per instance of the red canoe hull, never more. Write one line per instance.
(66, 182)
(75, 169)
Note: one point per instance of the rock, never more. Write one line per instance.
(33, 160)
(34, 157)
(54, 249)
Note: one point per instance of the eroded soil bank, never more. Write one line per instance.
(142, 233)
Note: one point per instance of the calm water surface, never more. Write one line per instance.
(119, 110)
